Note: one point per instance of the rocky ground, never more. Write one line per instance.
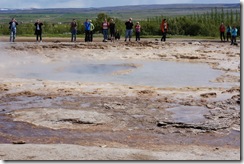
(74, 120)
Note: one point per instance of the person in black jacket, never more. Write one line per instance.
(12, 26)
(112, 28)
(73, 29)
(38, 30)
(129, 29)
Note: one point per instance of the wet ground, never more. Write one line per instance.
(138, 128)
(145, 97)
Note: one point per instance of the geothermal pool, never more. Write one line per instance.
(146, 73)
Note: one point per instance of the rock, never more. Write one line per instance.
(209, 95)
(196, 43)
(146, 92)
(188, 57)
(160, 124)
(209, 106)
(103, 146)
(18, 142)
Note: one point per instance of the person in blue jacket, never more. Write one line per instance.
(233, 35)
(87, 25)
(228, 32)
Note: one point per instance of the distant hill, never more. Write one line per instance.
(187, 8)
(121, 12)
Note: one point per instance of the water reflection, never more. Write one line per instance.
(188, 114)
(149, 73)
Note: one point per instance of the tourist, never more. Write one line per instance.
(129, 29)
(91, 31)
(13, 29)
(112, 30)
(73, 29)
(87, 25)
(164, 29)
(38, 30)
(222, 32)
(105, 27)
(228, 33)
(138, 31)
(234, 35)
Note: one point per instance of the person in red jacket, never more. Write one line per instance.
(222, 32)
(164, 27)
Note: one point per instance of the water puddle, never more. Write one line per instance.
(188, 114)
(146, 73)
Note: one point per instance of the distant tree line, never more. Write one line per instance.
(206, 24)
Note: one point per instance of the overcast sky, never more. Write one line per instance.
(95, 3)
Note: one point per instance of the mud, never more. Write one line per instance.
(123, 116)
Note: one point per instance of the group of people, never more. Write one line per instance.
(107, 27)
(89, 30)
(231, 33)
(129, 30)
(13, 29)
(115, 35)
(89, 27)
(110, 27)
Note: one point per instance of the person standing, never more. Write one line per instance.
(91, 31)
(38, 30)
(138, 31)
(164, 28)
(233, 35)
(87, 25)
(73, 29)
(222, 32)
(228, 33)
(129, 29)
(13, 29)
(112, 30)
(105, 27)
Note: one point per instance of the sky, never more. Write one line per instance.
(20, 4)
